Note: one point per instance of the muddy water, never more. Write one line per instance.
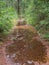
(24, 49)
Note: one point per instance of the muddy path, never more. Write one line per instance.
(5, 61)
(23, 48)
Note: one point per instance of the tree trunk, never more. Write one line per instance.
(18, 7)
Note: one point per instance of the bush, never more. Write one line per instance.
(7, 14)
(37, 14)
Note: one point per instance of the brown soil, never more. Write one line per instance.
(3, 60)
(24, 48)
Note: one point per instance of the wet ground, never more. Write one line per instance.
(5, 60)
(24, 49)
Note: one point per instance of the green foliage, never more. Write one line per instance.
(36, 13)
(7, 14)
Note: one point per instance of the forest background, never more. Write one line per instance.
(35, 12)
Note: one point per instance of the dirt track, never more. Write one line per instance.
(3, 60)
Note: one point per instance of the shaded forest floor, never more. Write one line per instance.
(4, 61)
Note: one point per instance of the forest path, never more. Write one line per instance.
(3, 60)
